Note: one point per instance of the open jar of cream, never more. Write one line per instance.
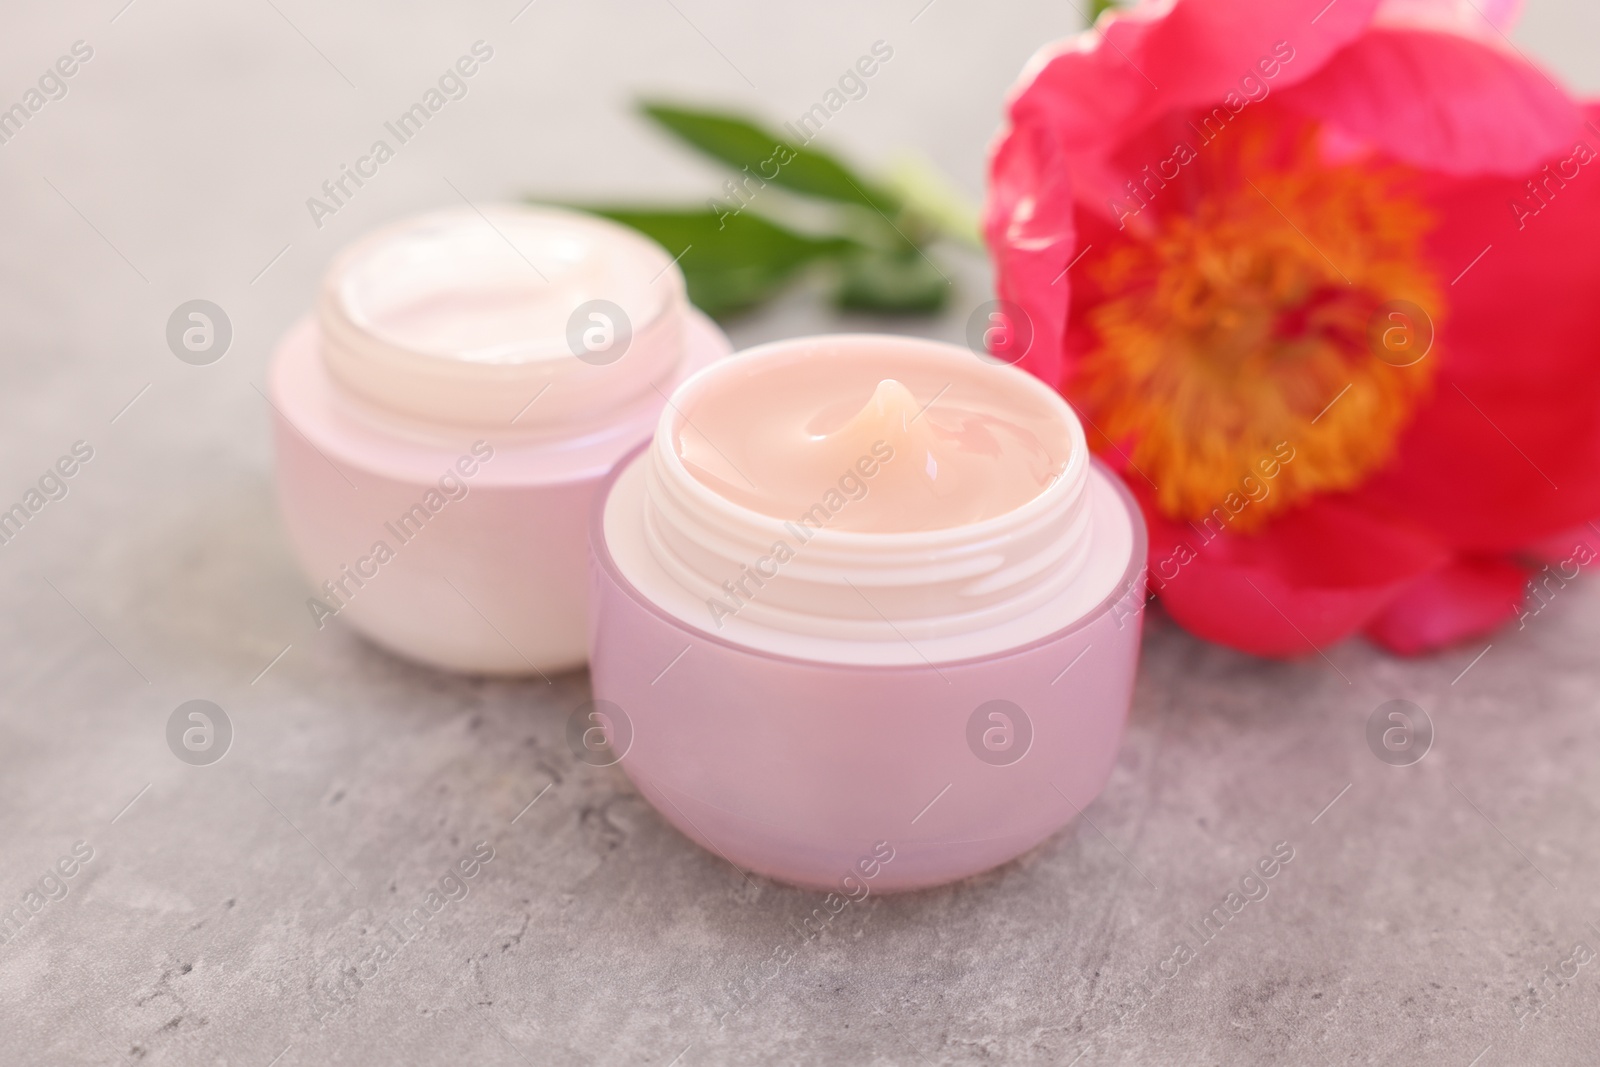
(865, 611)
(444, 418)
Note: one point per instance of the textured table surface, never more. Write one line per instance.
(1421, 905)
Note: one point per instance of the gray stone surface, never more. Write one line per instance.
(1417, 910)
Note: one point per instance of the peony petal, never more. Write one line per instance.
(1095, 90)
(1028, 223)
(1078, 99)
(1467, 598)
(1509, 450)
(1443, 102)
(1313, 578)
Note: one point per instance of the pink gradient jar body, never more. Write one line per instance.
(442, 514)
(796, 769)
(813, 770)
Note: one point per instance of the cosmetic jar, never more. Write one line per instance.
(865, 613)
(443, 420)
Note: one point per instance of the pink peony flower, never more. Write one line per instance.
(1317, 275)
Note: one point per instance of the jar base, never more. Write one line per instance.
(458, 560)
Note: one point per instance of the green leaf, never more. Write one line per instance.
(1098, 6)
(769, 156)
(731, 262)
(872, 280)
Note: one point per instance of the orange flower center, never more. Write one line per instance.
(1278, 314)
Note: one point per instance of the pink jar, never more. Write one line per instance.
(887, 710)
(444, 419)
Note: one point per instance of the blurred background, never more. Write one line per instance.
(177, 166)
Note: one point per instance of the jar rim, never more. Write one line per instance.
(465, 316)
